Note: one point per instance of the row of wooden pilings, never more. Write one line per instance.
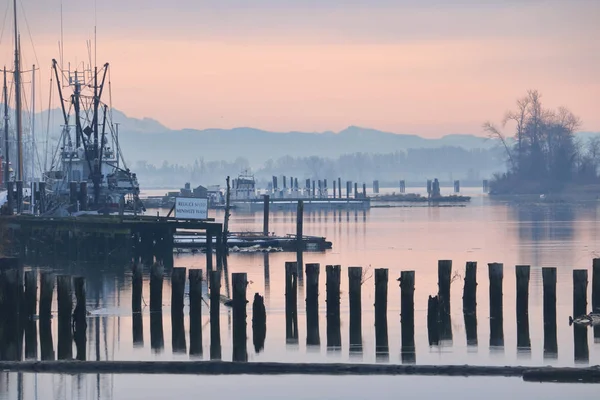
(19, 306)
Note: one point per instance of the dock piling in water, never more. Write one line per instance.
(259, 322)
(596, 294)
(334, 339)
(381, 325)
(177, 290)
(444, 281)
(80, 318)
(195, 282)
(65, 307)
(300, 226)
(30, 303)
(156, 287)
(215, 326)
(550, 337)
(407, 313)
(267, 201)
(433, 320)
(239, 282)
(470, 288)
(136, 288)
(291, 302)
(312, 304)
(355, 275)
(46, 293)
(496, 276)
(522, 273)
(580, 283)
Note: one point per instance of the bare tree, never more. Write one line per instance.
(494, 132)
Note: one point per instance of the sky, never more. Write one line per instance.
(427, 67)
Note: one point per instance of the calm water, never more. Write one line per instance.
(409, 238)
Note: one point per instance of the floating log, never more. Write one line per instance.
(355, 276)
(312, 304)
(239, 282)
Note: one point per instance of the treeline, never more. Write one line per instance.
(543, 154)
(412, 165)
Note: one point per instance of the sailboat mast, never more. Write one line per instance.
(33, 140)
(19, 122)
(6, 148)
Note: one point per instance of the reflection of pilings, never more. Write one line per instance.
(580, 339)
(46, 343)
(381, 329)
(157, 339)
(195, 278)
(215, 326)
(334, 337)
(291, 302)
(444, 280)
(11, 344)
(355, 293)
(312, 305)
(239, 283)
(137, 330)
(46, 293)
(550, 338)
(156, 287)
(30, 305)
(65, 307)
(496, 276)
(407, 312)
(259, 322)
(80, 318)
(267, 275)
(177, 326)
(522, 273)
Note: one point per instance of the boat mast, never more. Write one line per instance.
(17, 73)
(33, 140)
(6, 148)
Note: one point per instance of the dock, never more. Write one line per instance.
(259, 240)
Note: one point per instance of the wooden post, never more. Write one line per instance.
(46, 292)
(339, 188)
(291, 302)
(407, 312)
(209, 249)
(157, 340)
(522, 273)
(580, 283)
(259, 322)
(334, 339)
(334, 188)
(30, 305)
(496, 276)
(550, 337)
(73, 194)
(266, 214)
(355, 190)
(10, 197)
(444, 280)
(239, 282)
(19, 197)
(312, 305)
(136, 288)
(220, 250)
(42, 202)
(381, 328)
(156, 287)
(195, 278)
(299, 226)
(215, 326)
(433, 320)
(348, 189)
(83, 196)
(65, 306)
(470, 288)
(80, 316)
(355, 275)
(177, 290)
(596, 294)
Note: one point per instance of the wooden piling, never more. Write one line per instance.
(42, 201)
(83, 196)
(239, 283)
(65, 306)
(209, 250)
(10, 197)
(195, 279)
(157, 339)
(470, 288)
(522, 273)
(46, 293)
(496, 276)
(30, 303)
(215, 326)
(580, 283)
(339, 188)
(137, 330)
(433, 320)
(444, 281)
(136, 288)
(299, 226)
(550, 336)
(312, 304)
(334, 339)
(19, 197)
(73, 194)
(596, 294)
(381, 328)
(259, 322)
(177, 290)
(266, 203)
(407, 313)
(291, 302)
(156, 287)
(80, 318)
(355, 276)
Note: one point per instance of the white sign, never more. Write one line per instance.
(191, 208)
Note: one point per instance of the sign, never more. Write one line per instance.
(191, 208)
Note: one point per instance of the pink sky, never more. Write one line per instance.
(427, 67)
